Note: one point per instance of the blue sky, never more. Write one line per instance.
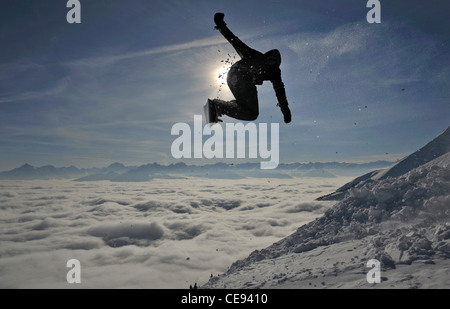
(110, 89)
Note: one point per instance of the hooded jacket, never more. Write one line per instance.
(258, 66)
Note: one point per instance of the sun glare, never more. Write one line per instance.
(221, 75)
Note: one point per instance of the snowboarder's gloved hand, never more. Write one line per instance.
(218, 19)
(286, 113)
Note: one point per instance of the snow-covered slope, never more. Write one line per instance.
(402, 221)
(437, 147)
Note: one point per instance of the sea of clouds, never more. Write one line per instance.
(156, 234)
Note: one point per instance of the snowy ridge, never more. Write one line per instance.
(437, 147)
(403, 221)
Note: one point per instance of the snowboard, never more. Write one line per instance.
(210, 112)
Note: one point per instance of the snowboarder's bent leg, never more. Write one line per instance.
(234, 110)
(245, 107)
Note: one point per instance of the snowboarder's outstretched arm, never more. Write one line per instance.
(280, 93)
(241, 48)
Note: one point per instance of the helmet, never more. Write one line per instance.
(273, 57)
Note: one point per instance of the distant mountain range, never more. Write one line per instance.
(122, 173)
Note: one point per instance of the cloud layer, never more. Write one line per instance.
(157, 234)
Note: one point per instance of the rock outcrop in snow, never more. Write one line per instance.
(397, 219)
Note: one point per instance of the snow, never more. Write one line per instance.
(401, 221)
(437, 147)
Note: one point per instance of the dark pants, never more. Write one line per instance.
(245, 107)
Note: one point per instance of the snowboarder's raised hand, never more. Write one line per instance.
(218, 19)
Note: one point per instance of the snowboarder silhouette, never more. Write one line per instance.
(253, 69)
